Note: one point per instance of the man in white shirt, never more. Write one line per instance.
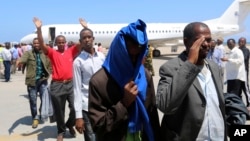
(6, 55)
(84, 66)
(235, 68)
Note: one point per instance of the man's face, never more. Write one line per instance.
(36, 45)
(87, 39)
(133, 47)
(230, 44)
(242, 42)
(60, 42)
(7, 45)
(206, 45)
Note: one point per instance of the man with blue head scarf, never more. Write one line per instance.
(121, 94)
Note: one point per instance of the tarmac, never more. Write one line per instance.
(15, 120)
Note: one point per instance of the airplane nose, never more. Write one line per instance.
(28, 38)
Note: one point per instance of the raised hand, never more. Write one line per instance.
(83, 23)
(37, 22)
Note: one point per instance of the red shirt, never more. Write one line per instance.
(62, 63)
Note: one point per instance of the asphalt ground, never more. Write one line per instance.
(15, 116)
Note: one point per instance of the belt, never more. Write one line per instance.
(62, 81)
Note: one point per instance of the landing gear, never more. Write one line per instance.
(156, 53)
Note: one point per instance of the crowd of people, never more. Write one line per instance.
(112, 97)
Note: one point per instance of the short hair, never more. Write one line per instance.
(189, 31)
(86, 29)
(60, 36)
(231, 39)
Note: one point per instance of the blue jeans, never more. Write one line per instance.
(89, 135)
(33, 91)
(7, 65)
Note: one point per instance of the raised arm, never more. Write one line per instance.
(38, 24)
(83, 23)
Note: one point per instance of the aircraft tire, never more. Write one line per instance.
(156, 53)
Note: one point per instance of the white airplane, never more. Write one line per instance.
(159, 34)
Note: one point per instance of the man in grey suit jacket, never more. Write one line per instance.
(190, 92)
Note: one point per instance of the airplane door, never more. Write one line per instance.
(52, 34)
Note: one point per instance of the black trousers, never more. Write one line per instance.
(60, 93)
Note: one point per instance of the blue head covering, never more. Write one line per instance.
(120, 67)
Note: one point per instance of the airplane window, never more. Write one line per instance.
(114, 31)
(60, 32)
(73, 32)
(99, 32)
(64, 32)
(95, 32)
(76, 32)
(159, 31)
(149, 31)
(111, 32)
(107, 32)
(103, 32)
(152, 31)
(68, 32)
(162, 31)
(156, 31)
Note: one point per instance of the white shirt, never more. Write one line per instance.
(84, 66)
(222, 54)
(235, 67)
(6, 54)
(212, 128)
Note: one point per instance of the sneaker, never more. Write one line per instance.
(35, 123)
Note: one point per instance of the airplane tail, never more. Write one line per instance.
(235, 14)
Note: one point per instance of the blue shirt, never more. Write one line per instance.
(216, 56)
(14, 53)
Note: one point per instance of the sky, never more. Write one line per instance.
(16, 15)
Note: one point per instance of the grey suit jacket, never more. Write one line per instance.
(181, 99)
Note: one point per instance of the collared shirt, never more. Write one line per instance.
(222, 54)
(216, 56)
(14, 53)
(6, 54)
(84, 66)
(235, 67)
(212, 128)
(39, 66)
(62, 63)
